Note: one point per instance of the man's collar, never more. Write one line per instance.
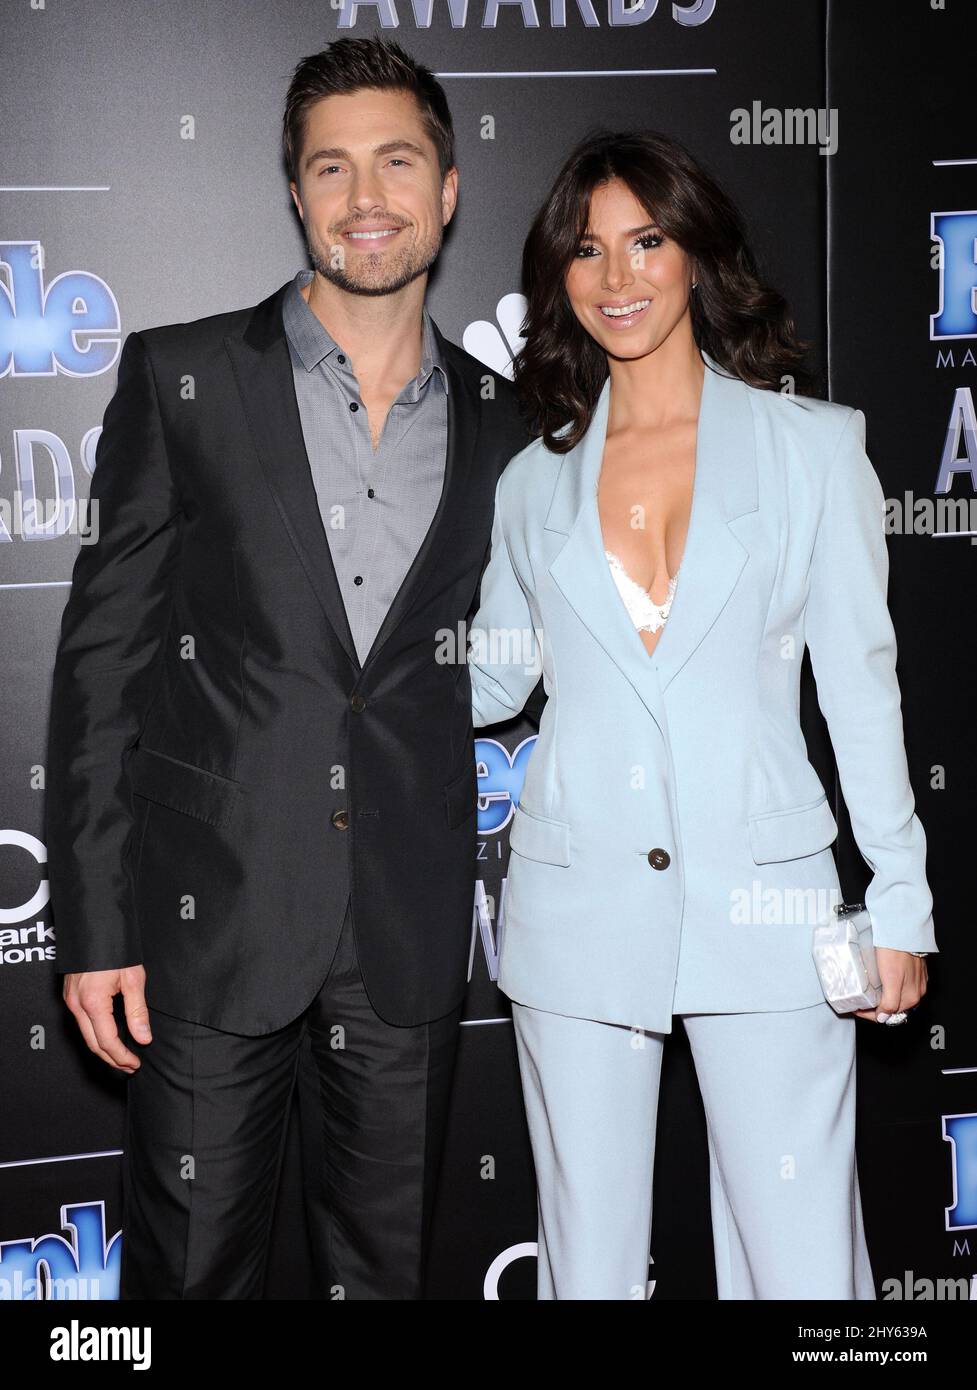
(313, 342)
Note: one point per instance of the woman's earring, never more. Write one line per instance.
(694, 283)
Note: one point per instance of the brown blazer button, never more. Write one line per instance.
(340, 819)
(358, 704)
(659, 858)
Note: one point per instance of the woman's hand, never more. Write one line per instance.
(903, 977)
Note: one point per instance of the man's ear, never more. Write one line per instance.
(293, 189)
(449, 195)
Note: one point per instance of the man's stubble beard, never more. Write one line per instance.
(401, 269)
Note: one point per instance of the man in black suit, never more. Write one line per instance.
(261, 780)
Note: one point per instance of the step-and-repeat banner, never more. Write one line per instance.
(142, 184)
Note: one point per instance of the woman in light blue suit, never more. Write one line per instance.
(662, 553)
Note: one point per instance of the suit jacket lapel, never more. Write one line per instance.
(263, 373)
(724, 488)
(464, 419)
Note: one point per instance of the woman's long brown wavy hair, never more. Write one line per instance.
(742, 323)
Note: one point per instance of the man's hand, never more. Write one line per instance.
(903, 977)
(89, 996)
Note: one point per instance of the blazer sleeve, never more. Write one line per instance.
(504, 660)
(853, 654)
(112, 632)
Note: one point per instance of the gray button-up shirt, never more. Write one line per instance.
(376, 508)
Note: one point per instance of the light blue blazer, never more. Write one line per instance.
(697, 750)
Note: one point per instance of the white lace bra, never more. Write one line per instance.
(644, 612)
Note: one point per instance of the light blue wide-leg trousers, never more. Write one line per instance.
(779, 1096)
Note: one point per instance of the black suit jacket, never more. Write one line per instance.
(222, 771)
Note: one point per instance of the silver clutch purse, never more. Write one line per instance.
(845, 958)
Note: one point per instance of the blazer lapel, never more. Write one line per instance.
(464, 418)
(263, 373)
(724, 488)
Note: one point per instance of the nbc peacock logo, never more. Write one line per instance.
(496, 344)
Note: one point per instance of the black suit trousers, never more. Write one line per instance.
(206, 1121)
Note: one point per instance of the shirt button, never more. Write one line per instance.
(340, 357)
(358, 579)
(340, 819)
(353, 405)
(659, 858)
(370, 492)
(357, 704)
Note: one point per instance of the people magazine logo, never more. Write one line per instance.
(77, 1265)
(65, 326)
(954, 235)
(68, 326)
(500, 778)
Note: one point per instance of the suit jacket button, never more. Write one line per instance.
(659, 858)
(358, 704)
(340, 819)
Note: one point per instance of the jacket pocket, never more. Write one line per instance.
(790, 834)
(461, 796)
(183, 787)
(538, 837)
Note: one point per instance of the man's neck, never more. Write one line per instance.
(381, 334)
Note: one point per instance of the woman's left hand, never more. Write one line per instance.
(903, 977)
